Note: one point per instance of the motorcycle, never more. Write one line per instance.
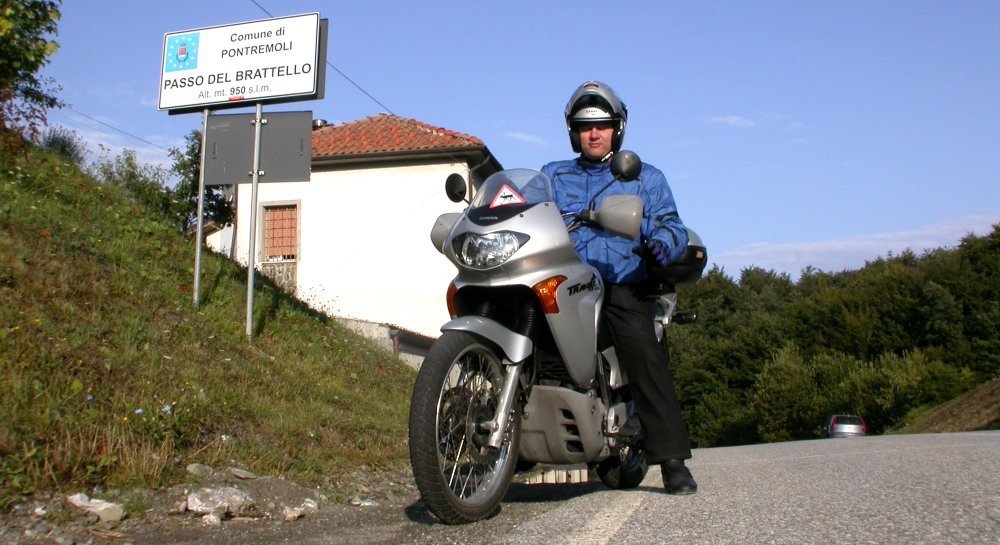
(524, 373)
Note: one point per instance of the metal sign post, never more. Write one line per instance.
(259, 122)
(272, 149)
(201, 211)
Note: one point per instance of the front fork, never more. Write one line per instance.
(513, 345)
(498, 426)
(528, 317)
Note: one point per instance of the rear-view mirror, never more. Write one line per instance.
(455, 187)
(626, 166)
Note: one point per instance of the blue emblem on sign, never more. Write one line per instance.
(181, 53)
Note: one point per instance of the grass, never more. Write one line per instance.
(110, 376)
(975, 410)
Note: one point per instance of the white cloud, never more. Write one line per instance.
(106, 144)
(849, 253)
(102, 144)
(732, 121)
(526, 138)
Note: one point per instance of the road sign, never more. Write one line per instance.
(240, 65)
(285, 150)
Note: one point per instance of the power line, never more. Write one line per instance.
(384, 107)
(262, 8)
(343, 75)
(126, 133)
(375, 100)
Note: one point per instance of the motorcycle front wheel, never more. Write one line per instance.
(460, 478)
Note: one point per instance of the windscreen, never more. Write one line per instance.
(519, 186)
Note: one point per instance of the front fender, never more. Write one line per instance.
(515, 346)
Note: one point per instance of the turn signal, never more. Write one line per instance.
(450, 297)
(546, 292)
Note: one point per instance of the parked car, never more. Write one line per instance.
(845, 425)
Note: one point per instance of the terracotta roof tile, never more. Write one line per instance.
(385, 133)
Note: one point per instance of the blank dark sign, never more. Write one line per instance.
(285, 148)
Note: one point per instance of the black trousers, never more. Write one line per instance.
(629, 317)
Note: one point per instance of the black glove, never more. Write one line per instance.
(659, 252)
(653, 250)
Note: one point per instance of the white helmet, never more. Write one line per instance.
(595, 101)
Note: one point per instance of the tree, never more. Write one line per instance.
(187, 165)
(24, 98)
(789, 402)
(66, 143)
(145, 184)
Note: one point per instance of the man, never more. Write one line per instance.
(596, 119)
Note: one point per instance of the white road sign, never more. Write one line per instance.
(245, 63)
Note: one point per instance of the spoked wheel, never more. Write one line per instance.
(624, 471)
(628, 468)
(460, 478)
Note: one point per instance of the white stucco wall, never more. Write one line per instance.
(364, 242)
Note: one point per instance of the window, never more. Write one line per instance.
(281, 233)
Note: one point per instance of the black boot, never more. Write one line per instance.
(677, 478)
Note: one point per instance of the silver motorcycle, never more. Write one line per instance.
(524, 373)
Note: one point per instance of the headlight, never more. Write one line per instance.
(487, 251)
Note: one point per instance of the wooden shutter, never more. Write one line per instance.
(281, 233)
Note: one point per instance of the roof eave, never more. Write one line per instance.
(469, 154)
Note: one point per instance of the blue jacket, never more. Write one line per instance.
(577, 181)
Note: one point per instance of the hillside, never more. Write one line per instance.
(976, 410)
(111, 377)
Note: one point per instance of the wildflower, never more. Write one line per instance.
(138, 411)
(167, 409)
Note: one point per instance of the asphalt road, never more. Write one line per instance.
(908, 489)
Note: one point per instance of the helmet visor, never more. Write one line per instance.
(590, 114)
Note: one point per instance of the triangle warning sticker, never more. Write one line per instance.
(506, 195)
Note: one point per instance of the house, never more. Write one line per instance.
(353, 242)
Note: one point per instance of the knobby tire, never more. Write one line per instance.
(458, 480)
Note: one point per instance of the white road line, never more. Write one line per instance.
(605, 524)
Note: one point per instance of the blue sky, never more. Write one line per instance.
(792, 133)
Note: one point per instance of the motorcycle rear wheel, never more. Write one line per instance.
(625, 471)
(456, 393)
